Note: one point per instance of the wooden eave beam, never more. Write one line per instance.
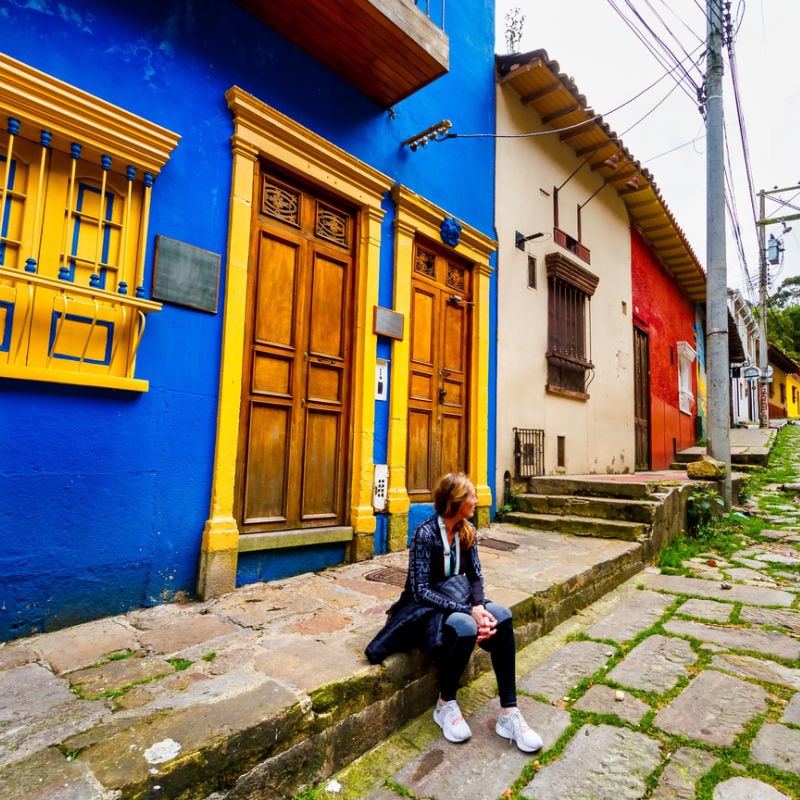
(582, 129)
(561, 113)
(538, 95)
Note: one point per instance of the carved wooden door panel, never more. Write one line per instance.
(438, 386)
(295, 431)
(641, 371)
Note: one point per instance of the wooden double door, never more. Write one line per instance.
(641, 400)
(439, 369)
(295, 431)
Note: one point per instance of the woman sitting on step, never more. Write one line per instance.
(443, 611)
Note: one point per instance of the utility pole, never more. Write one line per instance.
(763, 355)
(763, 284)
(718, 367)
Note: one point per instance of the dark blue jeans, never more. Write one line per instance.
(460, 632)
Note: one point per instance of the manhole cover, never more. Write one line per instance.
(498, 544)
(394, 576)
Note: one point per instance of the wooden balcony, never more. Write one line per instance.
(387, 49)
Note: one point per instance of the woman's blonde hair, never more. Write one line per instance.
(451, 491)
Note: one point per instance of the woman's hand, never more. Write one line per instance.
(487, 624)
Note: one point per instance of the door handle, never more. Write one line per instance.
(442, 394)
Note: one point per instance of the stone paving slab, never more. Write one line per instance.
(601, 699)
(777, 746)
(185, 632)
(757, 668)
(747, 789)
(707, 609)
(49, 776)
(84, 645)
(714, 708)
(599, 763)
(38, 711)
(115, 675)
(792, 711)
(790, 620)
(635, 615)
(483, 767)
(751, 576)
(686, 766)
(760, 641)
(779, 558)
(746, 557)
(697, 587)
(560, 672)
(655, 665)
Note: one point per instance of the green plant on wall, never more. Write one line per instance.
(511, 504)
(703, 509)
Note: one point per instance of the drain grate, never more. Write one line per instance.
(394, 576)
(498, 544)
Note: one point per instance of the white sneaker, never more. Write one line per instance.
(450, 719)
(513, 726)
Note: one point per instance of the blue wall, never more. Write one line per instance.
(104, 494)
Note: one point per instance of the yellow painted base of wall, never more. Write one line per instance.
(481, 518)
(397, 532)
(362, 547)
(217, 573)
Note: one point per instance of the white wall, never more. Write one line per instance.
(599, 431)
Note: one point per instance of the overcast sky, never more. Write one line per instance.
(663, 128)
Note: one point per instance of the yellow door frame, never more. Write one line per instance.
(417, 217)
(260, 130)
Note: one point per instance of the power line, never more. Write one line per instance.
(667, 58)
(696, 139)
(742, 129)
(568, 128)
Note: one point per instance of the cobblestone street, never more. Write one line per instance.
(672, 686)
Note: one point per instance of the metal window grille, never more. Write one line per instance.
(569, 364)
(528, 452)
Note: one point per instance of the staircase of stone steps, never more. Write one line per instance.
(649, 513)
(745, 461)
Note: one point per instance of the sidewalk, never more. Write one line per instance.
(268, 682)
(748, 445)
(266, 689)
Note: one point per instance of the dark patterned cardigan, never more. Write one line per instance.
(415, 620)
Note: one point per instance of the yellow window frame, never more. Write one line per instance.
(76, 175)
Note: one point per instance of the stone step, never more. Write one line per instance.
(614, 486)
(287, 697)
(582, 526)
(743, 459)
(607, 508)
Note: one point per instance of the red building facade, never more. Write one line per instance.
(664, 314)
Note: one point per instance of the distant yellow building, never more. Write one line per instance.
(784, 388)
(793, 396)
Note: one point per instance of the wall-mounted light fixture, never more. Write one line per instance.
(520, 239)
(431, 134)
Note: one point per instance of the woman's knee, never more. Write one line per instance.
(463, 624)
(500, 613)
